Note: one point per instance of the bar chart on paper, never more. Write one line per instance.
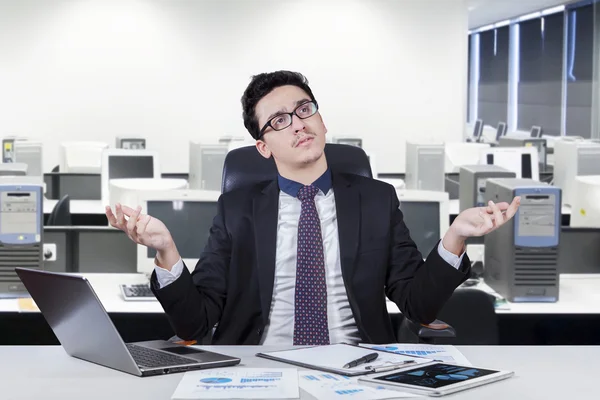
(445, 353)
(333, 386)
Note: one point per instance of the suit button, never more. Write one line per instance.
(259, 331)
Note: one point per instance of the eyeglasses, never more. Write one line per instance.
(283, 120)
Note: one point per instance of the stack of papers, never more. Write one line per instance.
(239, 383)
(332, 386)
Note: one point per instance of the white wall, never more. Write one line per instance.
(175, 70)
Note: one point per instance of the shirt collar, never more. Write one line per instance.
(288, 186)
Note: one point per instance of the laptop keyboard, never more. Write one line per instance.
(150, 358)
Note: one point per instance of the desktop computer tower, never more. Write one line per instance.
(425, 167)
(472, 181)
(21, 231)
(539, 143)
(521, 256)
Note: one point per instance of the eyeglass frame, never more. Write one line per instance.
(291, 114)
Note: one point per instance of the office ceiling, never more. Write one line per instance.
(484, 12)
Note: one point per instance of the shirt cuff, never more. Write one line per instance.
(166, 277)
(449, 257)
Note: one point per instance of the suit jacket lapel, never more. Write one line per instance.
(265, 213)
(347, 204)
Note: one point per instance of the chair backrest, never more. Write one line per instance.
(472, 314)
(245, 166)
(61, 213)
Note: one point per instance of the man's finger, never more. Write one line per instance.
(133, 219)
(514, 206)
(120, 217)
(502, 206)
(487, 221)
(498, 217)
(128, 210)
(143, 224)
(111, 217)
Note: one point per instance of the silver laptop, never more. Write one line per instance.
(85, 330)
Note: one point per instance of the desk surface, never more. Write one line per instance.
(77, 206)
(32, 372)
(579, 294)
(106, 287)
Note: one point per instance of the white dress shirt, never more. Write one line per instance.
(280, 329)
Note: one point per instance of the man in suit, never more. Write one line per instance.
(309, 258)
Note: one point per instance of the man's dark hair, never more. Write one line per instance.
(263, 84)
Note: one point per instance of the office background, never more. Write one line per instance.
(384, 71)
(173, 71)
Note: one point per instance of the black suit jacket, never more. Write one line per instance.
(232, 283)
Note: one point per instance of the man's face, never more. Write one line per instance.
(300, 144)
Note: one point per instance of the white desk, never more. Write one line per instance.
(579, 294)
(38, 372)
(77, 206)
(106, 287)
(454, 208)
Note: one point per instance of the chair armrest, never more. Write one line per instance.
(437, 329)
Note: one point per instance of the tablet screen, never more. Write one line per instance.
(436, 375)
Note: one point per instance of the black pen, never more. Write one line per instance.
(362, 360)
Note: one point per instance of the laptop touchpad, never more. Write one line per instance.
(181, 350)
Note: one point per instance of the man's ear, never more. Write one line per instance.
(263, 149)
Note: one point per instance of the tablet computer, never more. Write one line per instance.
(435, 379)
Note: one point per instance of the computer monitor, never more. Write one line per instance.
(585, 205)
(573, 158)
(501, 130)
(131, 143)
(129, 191)
(351, 141)
(427, 215)
(206, 165)
(121, 163)
(459, 154)
(81, 157)
(536, 131)
(425, 166)
(477, 131)
(523, 161)
(188, 214)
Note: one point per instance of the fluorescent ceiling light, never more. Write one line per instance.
(485, 28)
(530, 16)
(553, 10)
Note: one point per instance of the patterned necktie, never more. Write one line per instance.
(310, 320)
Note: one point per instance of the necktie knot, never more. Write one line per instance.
(307, 192)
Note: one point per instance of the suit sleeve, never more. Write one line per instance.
(419, 289)
(194, 302)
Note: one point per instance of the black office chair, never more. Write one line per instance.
(473, 314)
(245, 166)
(61, 213)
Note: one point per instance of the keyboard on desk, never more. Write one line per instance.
(150, 358)
(137, 292)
